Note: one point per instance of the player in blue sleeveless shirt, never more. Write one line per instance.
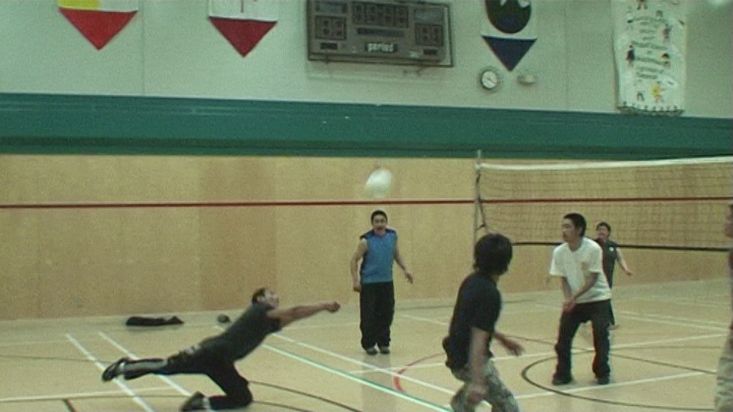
(372, 279)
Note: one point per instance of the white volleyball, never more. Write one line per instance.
(378, 183)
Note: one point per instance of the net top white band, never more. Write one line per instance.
(606, 165)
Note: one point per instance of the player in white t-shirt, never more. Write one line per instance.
(578, 262)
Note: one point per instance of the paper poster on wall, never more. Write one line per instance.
(244, 22)
(649, 49)
(508, 27)
(99, 20)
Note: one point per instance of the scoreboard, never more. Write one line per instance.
(384, 31)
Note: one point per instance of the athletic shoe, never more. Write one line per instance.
(558, 380)
(384, 350)
(194, 403)
(371, 351)
(603, 380)
(114, 369)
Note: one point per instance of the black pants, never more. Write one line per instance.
(199, 361)
(597, 313)
(611, 317)
(377, 311)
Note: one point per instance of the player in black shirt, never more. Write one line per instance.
(215, 356)
(474, 325)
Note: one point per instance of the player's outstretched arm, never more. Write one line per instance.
(289, 315)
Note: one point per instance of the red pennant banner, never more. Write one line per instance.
(99, 27)
(244, 23)
(244, 35)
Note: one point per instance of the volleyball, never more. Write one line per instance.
(378, 183)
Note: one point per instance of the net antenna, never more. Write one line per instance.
(479, 216)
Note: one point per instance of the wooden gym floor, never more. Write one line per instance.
(664, 357)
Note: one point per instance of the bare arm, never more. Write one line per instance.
(622, 262)
(290, 315)
(401, 263)
(568, 293)
(589, 282)
(509, 344)
(361, 249)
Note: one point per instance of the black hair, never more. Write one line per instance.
(604, 224)
(492, 254)
(259, 293)
(578, 221)
(377, 213)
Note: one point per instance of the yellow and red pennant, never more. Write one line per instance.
(99, 20)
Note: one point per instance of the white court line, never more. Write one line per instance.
(722, 325)
(354, 361)
(357, 380)
(442, 364)
(613, 385)
(684, 301)
(75, 395)
(648, 317)
(33, 342)
(596, 387)
(363, 364)
(319, 326)
(101, 367)
(587, 348)
(165, 379)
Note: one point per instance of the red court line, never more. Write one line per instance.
(284, 203)
(397, 378)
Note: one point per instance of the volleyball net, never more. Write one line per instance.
(663, 204)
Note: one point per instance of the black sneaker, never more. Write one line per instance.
(603, 380)
(559, 380)
(384, 350)
(194, 403)
(371, 351)
(114, 369)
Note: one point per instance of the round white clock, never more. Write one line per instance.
(490, 78)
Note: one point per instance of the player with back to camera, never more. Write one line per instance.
(215, 356)
(578, 264)
(377, 249)
(473, 326)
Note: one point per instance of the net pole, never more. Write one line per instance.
(477, 197)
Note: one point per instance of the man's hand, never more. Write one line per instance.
(475, 393)
(409, 277)
(629, 273)
(356, 286)
(332, 306)
(512, 346)
(568, 305)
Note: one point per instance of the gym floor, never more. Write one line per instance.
(664, 355)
